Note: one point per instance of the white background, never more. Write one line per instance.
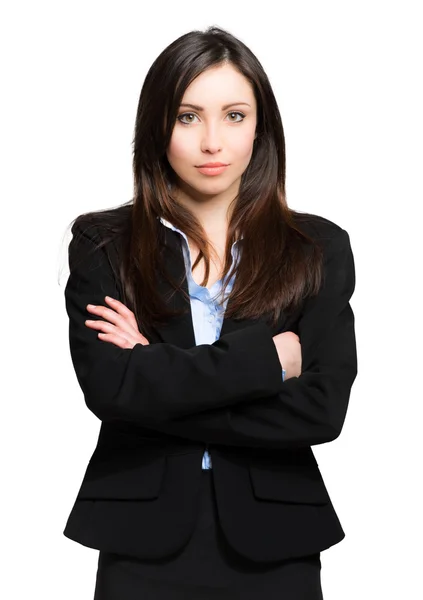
(347, 77)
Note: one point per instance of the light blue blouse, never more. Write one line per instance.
(207, 306)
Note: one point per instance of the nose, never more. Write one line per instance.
(211, 141)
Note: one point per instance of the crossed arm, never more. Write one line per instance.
(229, 392)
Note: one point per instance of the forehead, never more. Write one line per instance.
(222, 84)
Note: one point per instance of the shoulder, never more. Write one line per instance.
(98, 237)
(330, 236)
(96, 225)
(317, 226)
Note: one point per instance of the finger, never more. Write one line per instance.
(108, 328)
(110, 315)
(126, 321)
(120, 315)
(117, 340)
(101, 325)
(122, 309)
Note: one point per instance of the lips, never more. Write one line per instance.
(214, 164)
(216, 170)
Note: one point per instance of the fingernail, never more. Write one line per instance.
(108, 298)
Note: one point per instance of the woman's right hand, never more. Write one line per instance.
(289, 351)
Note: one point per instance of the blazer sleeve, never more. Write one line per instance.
(309, 409)
(161, 381)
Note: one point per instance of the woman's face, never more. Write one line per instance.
(219, 126)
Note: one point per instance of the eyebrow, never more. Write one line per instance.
(199, 108)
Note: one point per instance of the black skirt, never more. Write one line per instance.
(207, 568)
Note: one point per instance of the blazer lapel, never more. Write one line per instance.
(179, 330)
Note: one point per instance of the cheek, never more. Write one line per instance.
(244, 148)
(178, 150)
(247, 149)
(242, 144)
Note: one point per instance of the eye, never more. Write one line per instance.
(237, 113)
(180, 117)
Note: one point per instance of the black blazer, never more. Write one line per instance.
(161, 405)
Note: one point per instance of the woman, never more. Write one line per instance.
(211, 333)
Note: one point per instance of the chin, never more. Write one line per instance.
(207, 186)
(212, 189)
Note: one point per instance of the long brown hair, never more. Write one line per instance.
(280, 264)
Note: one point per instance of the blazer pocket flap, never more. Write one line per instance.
(289, 483)
(134, 478)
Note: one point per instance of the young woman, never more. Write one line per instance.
(211, 333)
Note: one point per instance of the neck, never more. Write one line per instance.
(212, 211)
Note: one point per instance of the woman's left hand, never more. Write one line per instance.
(120, 327)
